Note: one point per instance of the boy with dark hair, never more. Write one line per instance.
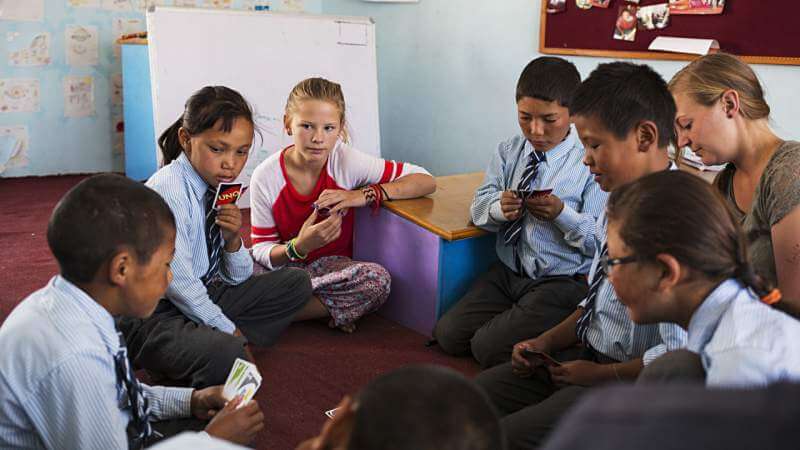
(65, 377)
(545, 240)
(624, 114)
(413, 408)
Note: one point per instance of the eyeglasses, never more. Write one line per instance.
(607, 263)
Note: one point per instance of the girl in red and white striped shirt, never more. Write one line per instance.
(302, 200)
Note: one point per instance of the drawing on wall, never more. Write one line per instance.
(257, 5)
(556, 6)
(22, 11)
(33, 52)
(293, 5)
(13, 147)
(84, 3)
(218, 4)
(81, 45)
(122, 26)
(19, 95)
(78, 96)
(119, 5)
(583, 4)
(186, 3)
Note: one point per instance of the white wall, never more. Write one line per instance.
(447, 71)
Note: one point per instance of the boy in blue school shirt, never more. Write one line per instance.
(544, 242)
(625, 117)
(65, 379)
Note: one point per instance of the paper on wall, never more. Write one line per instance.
(186, 3)
(218, 4)
(78, 96)
(13, 147)
(81, 45)
(292, 5)
(19, 95)
(684, 45)
(84, 3)
(121, 26)
(22, 10)
(119, 5)
(34, 52)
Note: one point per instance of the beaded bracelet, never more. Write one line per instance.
(292, 253)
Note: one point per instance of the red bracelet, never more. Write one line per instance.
(374, 197)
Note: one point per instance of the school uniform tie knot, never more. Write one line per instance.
(582, 328)
(132, 398)
(213, 237)
(513, 230)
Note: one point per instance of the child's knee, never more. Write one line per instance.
(487, 349)
(450, 337)
(296, 283)
(381, 277)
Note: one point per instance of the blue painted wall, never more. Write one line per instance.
(59, 144)
(447, 71)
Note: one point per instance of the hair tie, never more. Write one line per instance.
(773, 297)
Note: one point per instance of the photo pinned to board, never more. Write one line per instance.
(696, 6)
(583, 4)
(625, 26)
(556, 6)
(653, 17)
(601, 3)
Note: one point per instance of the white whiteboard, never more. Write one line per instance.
(263, 55)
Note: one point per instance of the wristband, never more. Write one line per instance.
(292, 253)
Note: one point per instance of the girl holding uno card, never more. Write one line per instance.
(214, 304)
(302, 201)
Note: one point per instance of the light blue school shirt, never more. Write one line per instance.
(564, 246)
(613, 333)
(58, 382)
(184, 191)
(743, 342)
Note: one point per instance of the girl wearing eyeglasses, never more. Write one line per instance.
(676, 254)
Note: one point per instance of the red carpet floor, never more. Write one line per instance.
(305, 374)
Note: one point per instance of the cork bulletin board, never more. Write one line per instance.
(761, 32)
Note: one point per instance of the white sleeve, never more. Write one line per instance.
(263, 231)
(355, 168)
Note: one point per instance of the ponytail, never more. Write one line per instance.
(745, 273)
(207, 108)
(169, 141)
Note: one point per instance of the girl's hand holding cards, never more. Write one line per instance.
(229, 219)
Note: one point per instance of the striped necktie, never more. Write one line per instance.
(213, 237)
(591, 298)
(513, 230)
(132, 398)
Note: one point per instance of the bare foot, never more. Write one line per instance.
(347, 328)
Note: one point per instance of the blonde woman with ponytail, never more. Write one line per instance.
(701, 280)
(723, 117)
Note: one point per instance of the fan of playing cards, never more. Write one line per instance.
(244, 380)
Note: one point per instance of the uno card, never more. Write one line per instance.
(522, 193)
(248, 385)
(235, 377)
(541, 356)
(227, 193)
(541, 193)
(332, 412)
(322, 211)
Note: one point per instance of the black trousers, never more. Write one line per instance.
(531, 407)
(169, 345)
(502, 308)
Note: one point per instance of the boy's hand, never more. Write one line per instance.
(336, 432)
(581, 373)
(207, 402)
(520, 364)
(313, 236)
(545, 208)
(337, 199)
(229, 219)
(237, 425)
(511, 205)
